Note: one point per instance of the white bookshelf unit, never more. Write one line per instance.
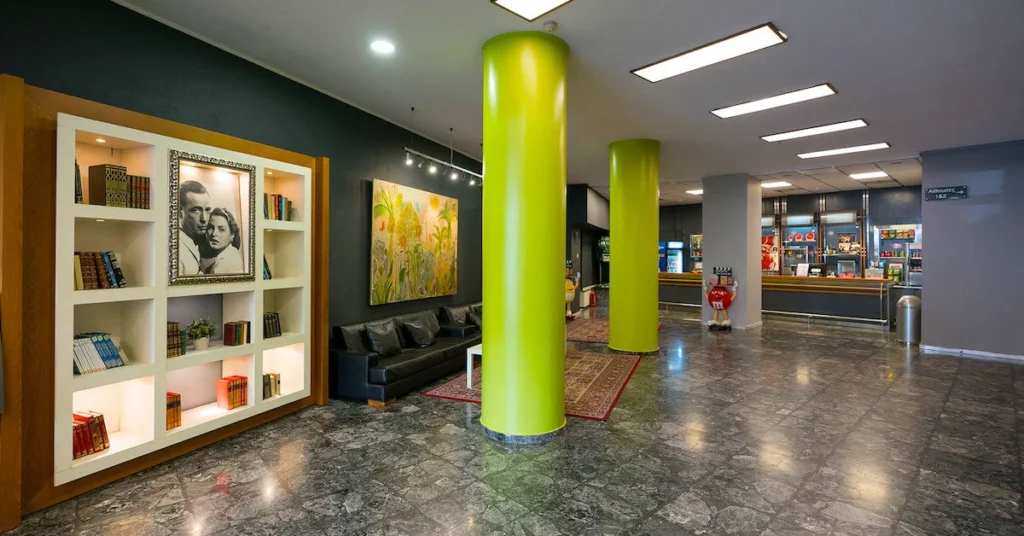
(132, 398)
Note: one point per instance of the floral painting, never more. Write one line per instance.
(414, 244)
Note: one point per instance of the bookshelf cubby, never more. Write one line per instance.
(132, 398)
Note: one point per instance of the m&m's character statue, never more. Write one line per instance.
(570, 290)
(720, 291)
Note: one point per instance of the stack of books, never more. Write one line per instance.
(90, 434)
(271, 325)
(98, 269)
(176, 340)
(112, 186)
(277, 207)
(173, 410)
(94, 352)
(271, 385)
(232, 392)
(237, 333)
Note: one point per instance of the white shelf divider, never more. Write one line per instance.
(132, 398)
(131, 371)
(216, 352)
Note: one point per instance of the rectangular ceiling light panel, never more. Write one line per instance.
(778, 184)
(730, 47)
(793, 97)
(845, 150)
(531, 10)
(695, 192)
(815, 131)
(871, 175)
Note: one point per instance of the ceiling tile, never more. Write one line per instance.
(858, 168)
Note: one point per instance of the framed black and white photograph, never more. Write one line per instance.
(212, 230)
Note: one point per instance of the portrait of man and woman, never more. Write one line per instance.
(213, 231)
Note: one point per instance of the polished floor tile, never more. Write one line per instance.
(793, 429)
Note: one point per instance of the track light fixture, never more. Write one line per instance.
(412, 156)
(432, 169)
(408, 159)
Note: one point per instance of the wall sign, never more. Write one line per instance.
(946, 193)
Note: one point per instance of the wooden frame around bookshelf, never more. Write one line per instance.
(39, 135)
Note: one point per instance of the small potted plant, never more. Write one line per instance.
(199, 332)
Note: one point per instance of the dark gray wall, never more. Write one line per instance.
(896, 206)
(679, 222)
(971, 282)
(103, 52)
(841, 201)
(598, 210)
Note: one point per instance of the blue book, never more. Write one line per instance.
(112, 348)
(101, 348)
(110, 270)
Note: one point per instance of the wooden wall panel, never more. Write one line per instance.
(35, 306)
(12, 103)
(321, 278)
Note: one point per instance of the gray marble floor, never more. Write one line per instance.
(789, 430)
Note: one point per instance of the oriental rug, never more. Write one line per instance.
(593, 383)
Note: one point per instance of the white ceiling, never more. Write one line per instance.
(924, 74)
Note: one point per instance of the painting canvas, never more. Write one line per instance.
(414, 244)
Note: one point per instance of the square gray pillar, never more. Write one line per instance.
(732, 237)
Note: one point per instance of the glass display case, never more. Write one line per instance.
(800, 241)
(696, 253)
(769, 246)
(892, 245)
(674, 260)
(914, 265)
(841, 243)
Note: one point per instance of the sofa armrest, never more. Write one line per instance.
(349, 373)
(459, 330)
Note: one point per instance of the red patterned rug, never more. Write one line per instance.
(590, 330)
(593, 383)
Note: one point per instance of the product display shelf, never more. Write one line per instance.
(131, 371)
(286, 339)
(279, 225)
(132, 398)
(108, 295)
(216, 352)
(282, 282)
(113, 213)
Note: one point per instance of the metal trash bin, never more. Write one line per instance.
(908, 320)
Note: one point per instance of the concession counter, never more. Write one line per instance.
(829, 298)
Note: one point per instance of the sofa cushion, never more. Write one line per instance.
(456, 315)
(384, 338)
(430, 319)
(410, 362)
(354, 338)
(478, 309)
(476, 319)
(419, 333)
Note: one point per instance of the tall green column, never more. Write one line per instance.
(523, 376)
(633, 292)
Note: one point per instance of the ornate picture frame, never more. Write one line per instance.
(211, 220)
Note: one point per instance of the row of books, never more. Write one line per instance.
(271, 385)
(176, 339)
(232, 392)
(277, 207)
(237, 333)
(94, 352)
(89, 434)
(173, 410)
(271, 325)
(98, 269)
(111, 185)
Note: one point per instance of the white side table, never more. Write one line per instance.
(470, 352)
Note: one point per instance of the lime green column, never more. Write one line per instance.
(523, 398)
(633, 291)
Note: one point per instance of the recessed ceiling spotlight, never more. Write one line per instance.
(793, 97)
(869, 175)
(736, 45)
(380, 46)
(530, 10)
(695, 192)
(101, 140)
(432, 169)
(270, 172)
(777, 184)
(845, 150)
(815, 131)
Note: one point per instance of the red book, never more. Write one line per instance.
(224, 393)
(76, 441)
(88, 446)
(102, 424)
(229, 334)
